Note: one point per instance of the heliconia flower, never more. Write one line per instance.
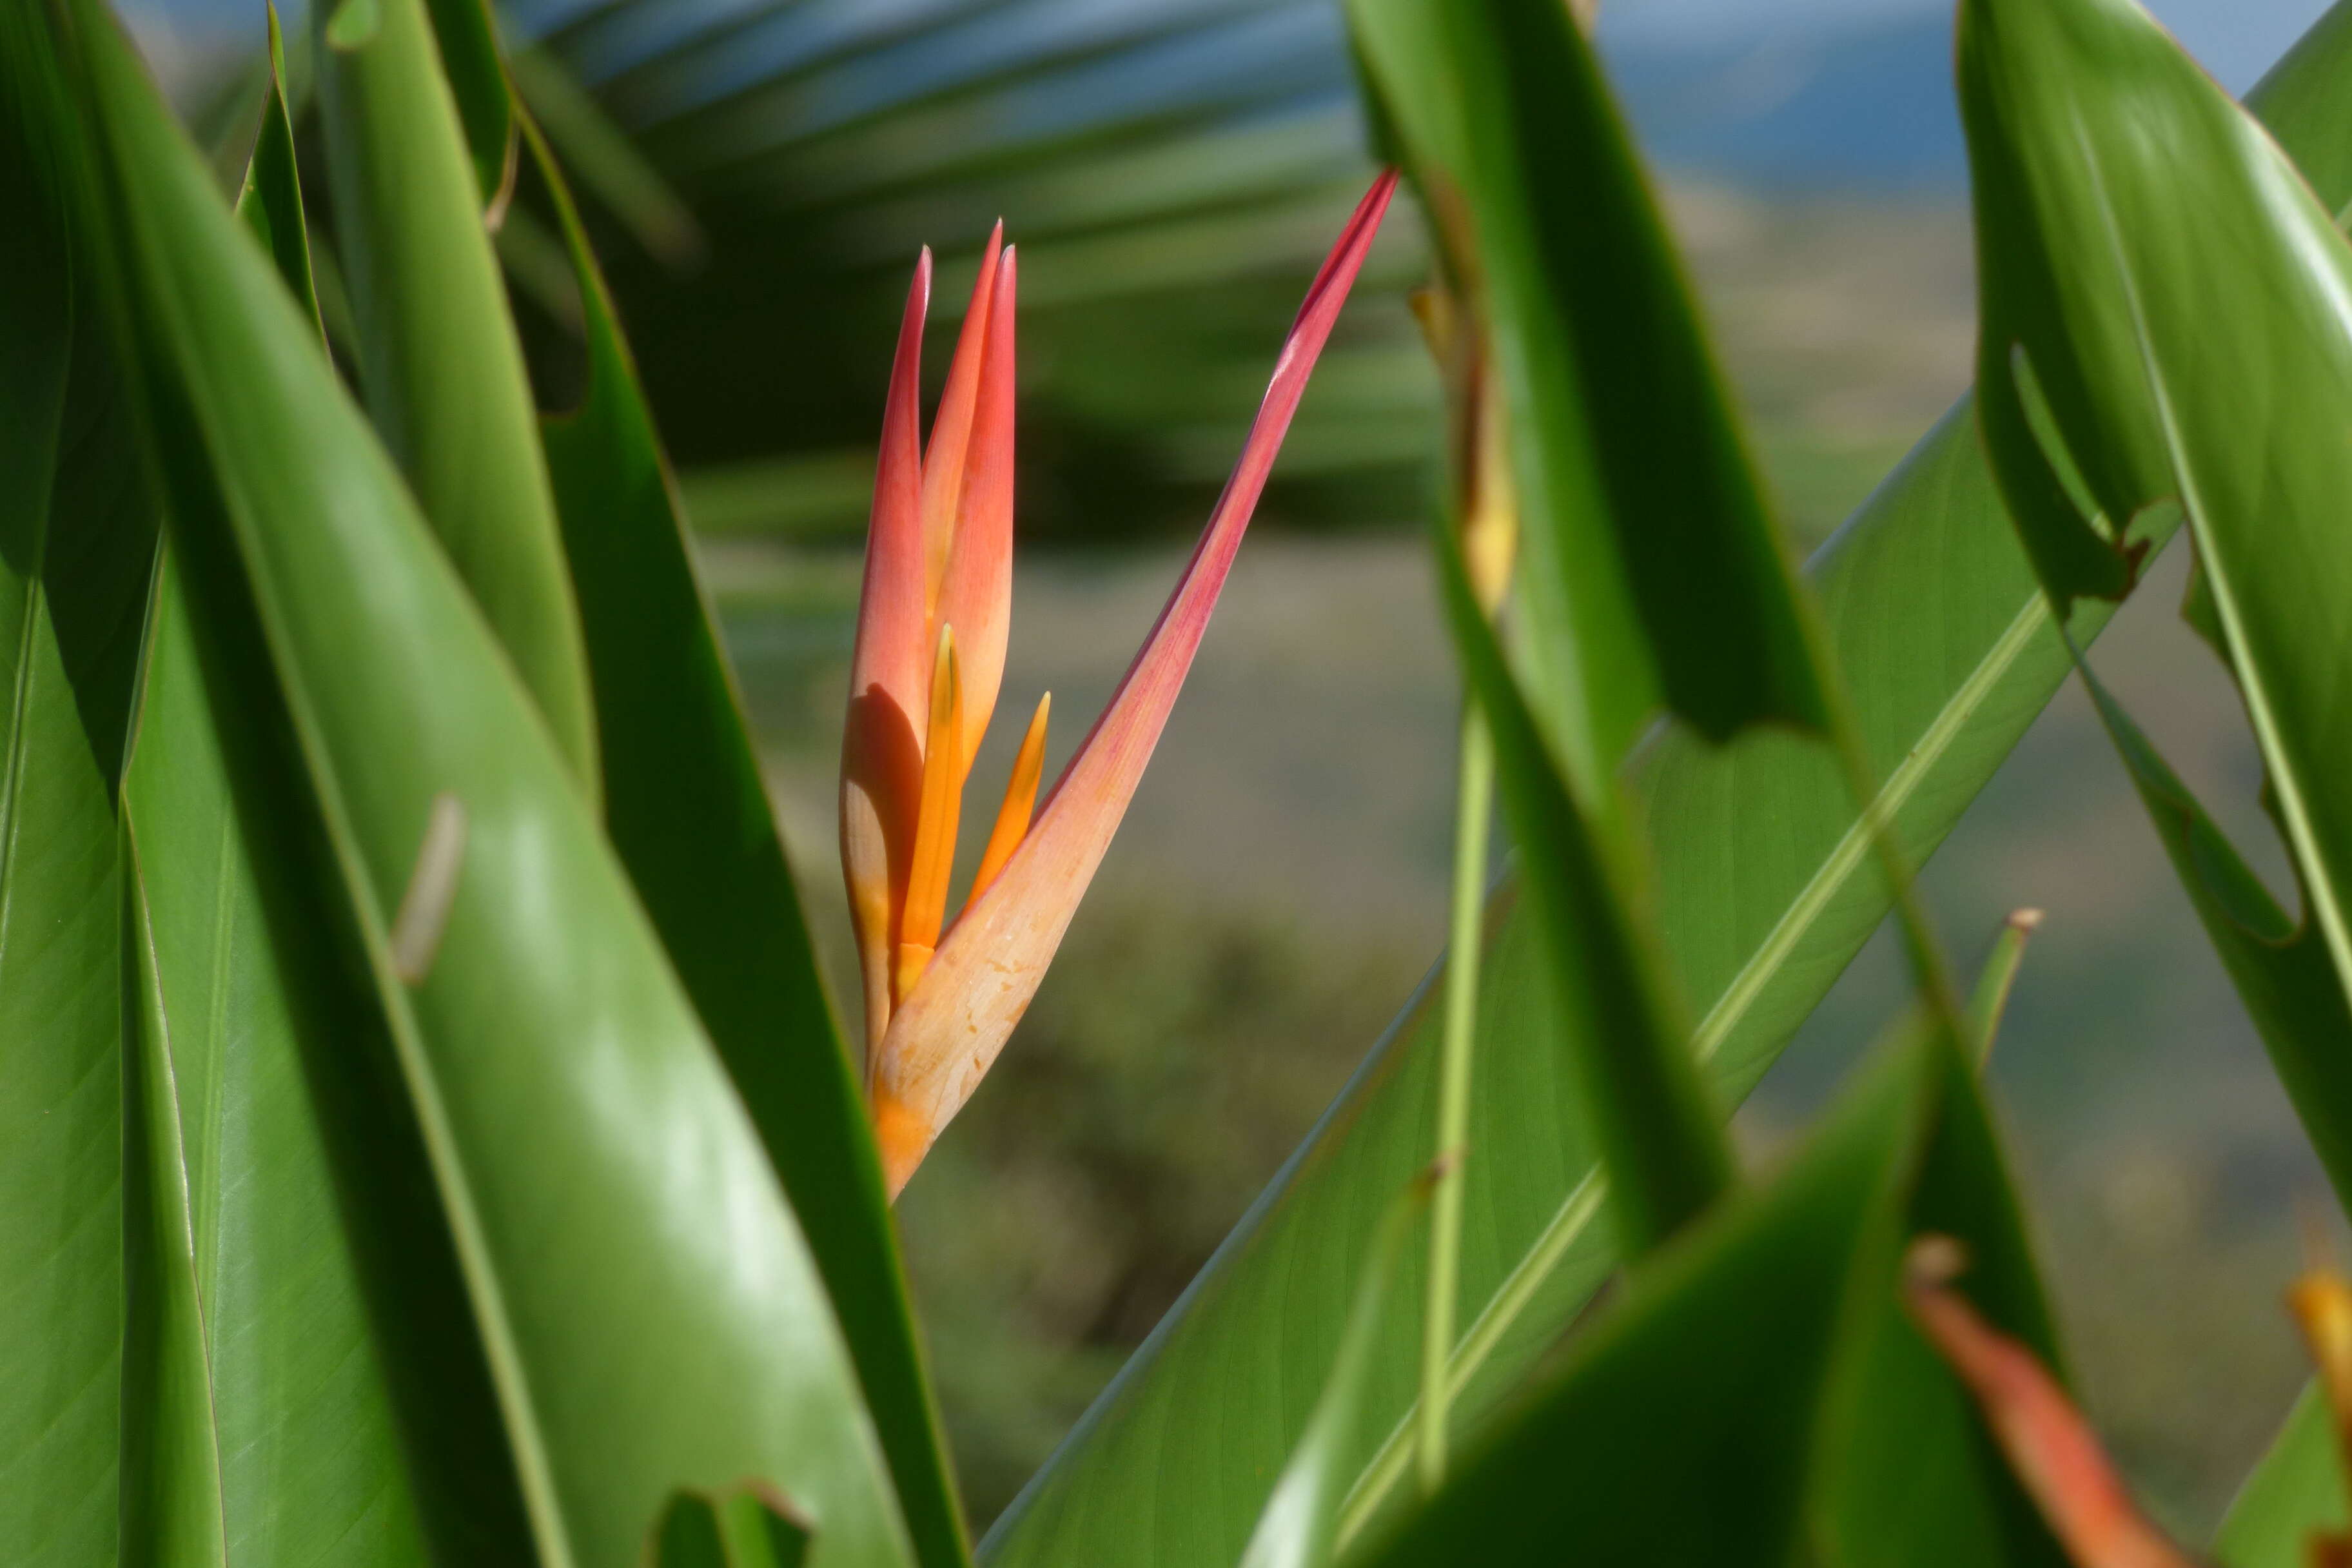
(942, 998)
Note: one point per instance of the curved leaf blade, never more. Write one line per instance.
(271, 202)
(1766, 887)
(1908, 1474)
(466, 36)
(438, 356)
(1688, 1417)
(76, 540)
(1299, 1528)
(346, 1389)
(689, 817)
(2171, 281)
(1649, 571)
(1663, 1149)
(264, 1428)
(606, 1190)
(2281, 966)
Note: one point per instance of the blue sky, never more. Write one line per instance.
(2237, 39)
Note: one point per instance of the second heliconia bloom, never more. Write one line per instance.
(941, 996)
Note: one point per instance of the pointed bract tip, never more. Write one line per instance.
(977, 982)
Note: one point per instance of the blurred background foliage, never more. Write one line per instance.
(763, 173)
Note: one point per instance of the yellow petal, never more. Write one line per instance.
(1020, 797)
(935, 830)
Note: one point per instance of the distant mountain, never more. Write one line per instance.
(1870, 109)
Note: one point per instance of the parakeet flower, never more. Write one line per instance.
(942, 997)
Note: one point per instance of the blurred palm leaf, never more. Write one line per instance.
(1170, 170)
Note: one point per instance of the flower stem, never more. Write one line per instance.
(1473, 810)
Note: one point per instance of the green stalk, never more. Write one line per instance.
(1472, 813)
(1991, 999)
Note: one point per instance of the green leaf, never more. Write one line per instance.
(1661, 1144)
(266, 1184)
(1766, 888)
(2186, 305)
(2297, 1487)
(75, 544)
(439, 361)
(1908, 1474)
(689, 817)
(1649, 569)
(2280, 966)
(1299, 1528)
(738, 1530)
(1683, 1427)
(296, 1269)
(1990, 1000)
(467, 37)
(172, 1507)
(271, 203)
(650, 1310)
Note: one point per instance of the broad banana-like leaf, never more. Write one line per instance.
(283, 1240)
(439, 359)
(1683, 1430)
(306, 1378)
(1833, 1423)
(2299, 1486)
(1649, 570)
(1663, 1149)
(76, 551)
(1766, 887)
(2167, 315)
(1300, 1526)
(1908, 1473)
(650, 1313)
(689, 817)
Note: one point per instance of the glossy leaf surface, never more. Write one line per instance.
(689, 817)
(1663, 1150)
(1766, 889)
(438, 355)
(1649, 570)
(2119, 195)
(606, 1191)
(271, 1181)
(1300, 1527)
(1908, 1473)
(76, 538)
(1682, 1428)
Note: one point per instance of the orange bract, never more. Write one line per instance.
(931, 630)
